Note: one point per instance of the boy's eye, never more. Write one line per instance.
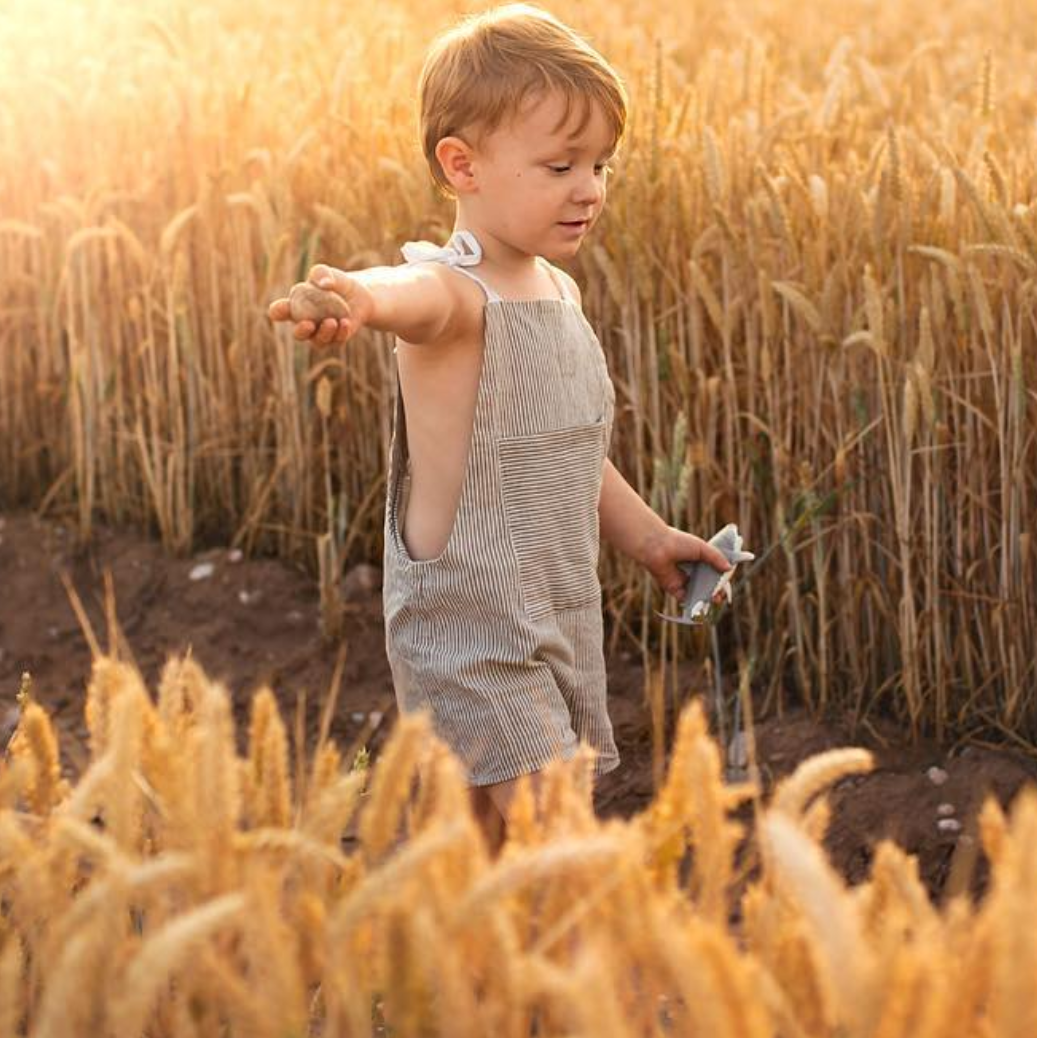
(599, 168)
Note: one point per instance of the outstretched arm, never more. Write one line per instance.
(631, 527)
(419, 303)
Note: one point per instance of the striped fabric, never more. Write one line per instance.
(500, 636)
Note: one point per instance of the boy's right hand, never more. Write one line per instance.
(330, 306)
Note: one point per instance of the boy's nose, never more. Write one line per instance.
(588, 190)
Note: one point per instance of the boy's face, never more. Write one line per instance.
(540, 186)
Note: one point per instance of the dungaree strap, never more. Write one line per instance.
(461, 251)
(491, 296)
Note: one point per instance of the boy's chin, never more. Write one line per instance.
(563, 252)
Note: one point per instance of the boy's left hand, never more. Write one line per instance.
(672, 546)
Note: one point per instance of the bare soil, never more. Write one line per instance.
(255, 621)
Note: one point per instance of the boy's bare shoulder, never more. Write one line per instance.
(462, 296)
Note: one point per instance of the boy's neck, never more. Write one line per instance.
(499, 255)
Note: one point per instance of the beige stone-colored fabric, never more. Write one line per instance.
(500, 636)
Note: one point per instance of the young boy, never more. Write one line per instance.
(499, 484)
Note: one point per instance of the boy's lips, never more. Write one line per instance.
(576, 225)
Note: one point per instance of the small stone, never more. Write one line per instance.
(937, 776)
(376, 718)
(738, 751)
(358, 717)
(244, 597)
(52, 632)
(949, 825)
(945, 810)
(203, 571)
(294, 616)
(235, 555)
(309, 303)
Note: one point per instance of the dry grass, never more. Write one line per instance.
(180, 889)
(820, 249)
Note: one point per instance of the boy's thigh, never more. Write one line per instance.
(482, 802)
(500, 794)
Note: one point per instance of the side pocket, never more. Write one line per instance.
(551, 483)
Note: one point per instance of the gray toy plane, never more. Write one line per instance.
(704, 582)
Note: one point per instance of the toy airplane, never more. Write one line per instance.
(704, 582)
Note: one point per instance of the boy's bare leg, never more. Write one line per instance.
(491, 805)
(489, 818)
(501, 793)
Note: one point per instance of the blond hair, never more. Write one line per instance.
(479, 73)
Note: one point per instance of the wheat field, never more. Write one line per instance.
(180, 888)
(814, 284)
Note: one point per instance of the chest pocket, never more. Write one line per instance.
(550, 484)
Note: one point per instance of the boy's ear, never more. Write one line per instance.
(455, 156)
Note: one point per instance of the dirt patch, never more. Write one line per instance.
(247, 622)
(250, 622)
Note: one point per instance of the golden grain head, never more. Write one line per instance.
(243, 926)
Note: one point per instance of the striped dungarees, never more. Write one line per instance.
(500, 636)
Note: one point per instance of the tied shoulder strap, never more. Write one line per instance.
(461, 251)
